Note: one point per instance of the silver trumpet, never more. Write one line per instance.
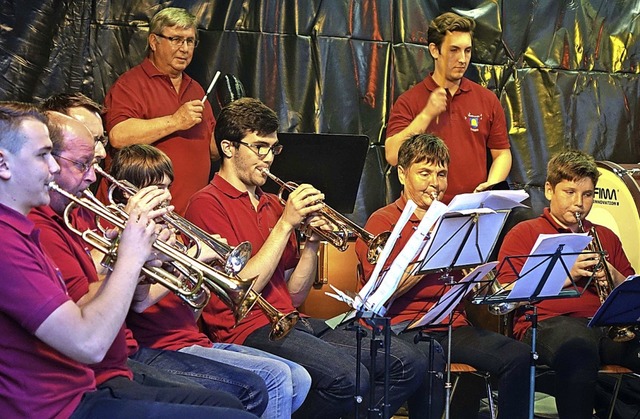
(338, 238)
(235, 258)
(188, 284)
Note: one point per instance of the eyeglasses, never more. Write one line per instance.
(83, 167)
(178, 41)
(103, 139)
(263, 150)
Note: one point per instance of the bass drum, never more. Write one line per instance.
(617, 205)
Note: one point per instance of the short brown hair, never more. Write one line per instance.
(423, 147)
(141, 164)
(571, 165)
(448, 22)
(63, 102)
(12, 114)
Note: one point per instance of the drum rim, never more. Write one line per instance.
(628, 180)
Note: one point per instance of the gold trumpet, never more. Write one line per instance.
(616, 333)
(340, 238)
(235, 258)
(232, 291)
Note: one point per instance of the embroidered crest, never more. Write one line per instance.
(474, 121)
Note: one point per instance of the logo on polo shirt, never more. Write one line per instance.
(474, 121)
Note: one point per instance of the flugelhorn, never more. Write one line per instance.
(340, 238)
(189, 287)
(617, 333)
(234, 258)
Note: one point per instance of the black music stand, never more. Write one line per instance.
(622, 306)
(548, 272)
(460, 240)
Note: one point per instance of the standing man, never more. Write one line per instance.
(423, 167)
(234, 206)
(157, 103)
(564, 342)
(47, 338)
(465, 115)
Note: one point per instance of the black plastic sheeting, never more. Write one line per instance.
(566, 71)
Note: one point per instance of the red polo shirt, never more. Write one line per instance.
(145, 93)
(413, 304)
(168, 324)
(520, 241)
(222, 209)
(35, 379)
(71, 254)
(474, 121)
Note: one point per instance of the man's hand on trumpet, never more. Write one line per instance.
(152, 199)
(302, 202)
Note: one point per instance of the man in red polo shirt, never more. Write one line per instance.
(46, 337)
(157, 103)
(465, 115)
(564, 342)
(234, 206)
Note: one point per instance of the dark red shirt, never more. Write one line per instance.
(413, 304)
(145, 93)
(222, 209)
(72, 255)
(35, 379)
(473, 122)
(520, 241)
(168, 324)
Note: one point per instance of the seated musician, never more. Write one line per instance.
(73, 150)
(234, 206)
(423, 162)
(171, 323)
(47, 338)
(564, 342)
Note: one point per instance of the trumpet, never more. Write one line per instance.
(189, 287)
(617, 333)
(345, 227)
(234, 258)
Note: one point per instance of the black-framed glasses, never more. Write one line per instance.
(178, 41)
(83, 167)
(103, 139)
(263, 150)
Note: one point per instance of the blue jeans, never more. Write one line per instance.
(575, 353)
(330, 357)
(245, 385)
(102, 404)
(287, 382)
(506, 359)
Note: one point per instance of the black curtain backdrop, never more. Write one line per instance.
(566, 71)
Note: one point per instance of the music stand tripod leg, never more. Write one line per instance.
(533, 318)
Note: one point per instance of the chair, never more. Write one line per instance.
(457, 369)
(617, 370)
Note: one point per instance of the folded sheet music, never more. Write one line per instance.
(494, 200)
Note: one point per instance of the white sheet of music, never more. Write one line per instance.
(535, 266)
(374, 280)
(489, 199)
(412, 248)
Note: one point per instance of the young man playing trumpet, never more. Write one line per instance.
(234, 206)
(73, 148)
(423, 162)
(564, 342)
(47, 338)
(171, 324)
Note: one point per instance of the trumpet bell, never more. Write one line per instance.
(376, 245)
(237, 258)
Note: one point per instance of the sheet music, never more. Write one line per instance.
(373, 281)
(414, 245)
(440, 252)
(495, 200)
(536, 264)
(449, 300)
